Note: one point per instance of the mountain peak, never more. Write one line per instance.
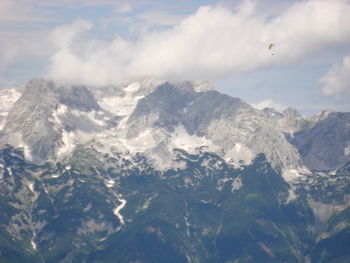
(151, 118)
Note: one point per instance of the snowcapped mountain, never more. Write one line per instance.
(39, 123)
(148, 117)
(157, 171)
(153, 117)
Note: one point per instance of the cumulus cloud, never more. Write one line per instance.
(8, 53)
(63, 36)
(213, 42)
(269, 103)
(123, 9)
(337, 81)
(160, 18)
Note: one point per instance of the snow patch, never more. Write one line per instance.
(61, 110)
(238, 155)
(68, 144)
(142, 142)
(238, 147)
(291, 175)
(92, 117)
(117, 210)
(200, 86)
(110, 183)
(179, 165)
(122, 105)
(221, 183)
(147, 203)
(190, 143)
(236, 184)
(87, 208)
(347, 150)
(2, 122)
(8, 97)
(27, 152)
(291, 134)
(187, 226)
(132, 88)
(291, 195)
(34, 246)
(31, 186)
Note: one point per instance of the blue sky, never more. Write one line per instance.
(102, 42)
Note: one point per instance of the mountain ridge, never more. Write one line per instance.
(58, 111)
(157, 171)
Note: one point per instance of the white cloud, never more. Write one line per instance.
(337, 81)
(22, 11)
(269, 103)
(11, 11)
(211, 43)
(160, 18)
(63, 36)
(22, 37)
(123, 9)
(7, 55)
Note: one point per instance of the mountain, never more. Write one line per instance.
(157, 171)
(49, 120)
(7, 98)
(323, 140)
(325, 145)
(33, 122)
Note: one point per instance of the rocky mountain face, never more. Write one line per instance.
(325, 145)
(155, 171)
(48, 121)
(322, 140)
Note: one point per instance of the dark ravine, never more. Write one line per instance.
(95, 205)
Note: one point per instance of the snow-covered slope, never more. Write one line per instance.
(44, 118)
(8, 97)
(152, 118)
(148, 117)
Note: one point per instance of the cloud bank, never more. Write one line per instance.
(213, 42)
(337, 81)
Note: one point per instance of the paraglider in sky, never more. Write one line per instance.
(270, 47)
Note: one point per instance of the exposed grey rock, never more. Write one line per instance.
(49, 120)
(28, 122)
(225, 121)
(78, 97)
(210, 106)
(323, 145)
(31, 123)
(163, 107)
(289, 120)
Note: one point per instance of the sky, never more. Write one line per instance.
(108, 42)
